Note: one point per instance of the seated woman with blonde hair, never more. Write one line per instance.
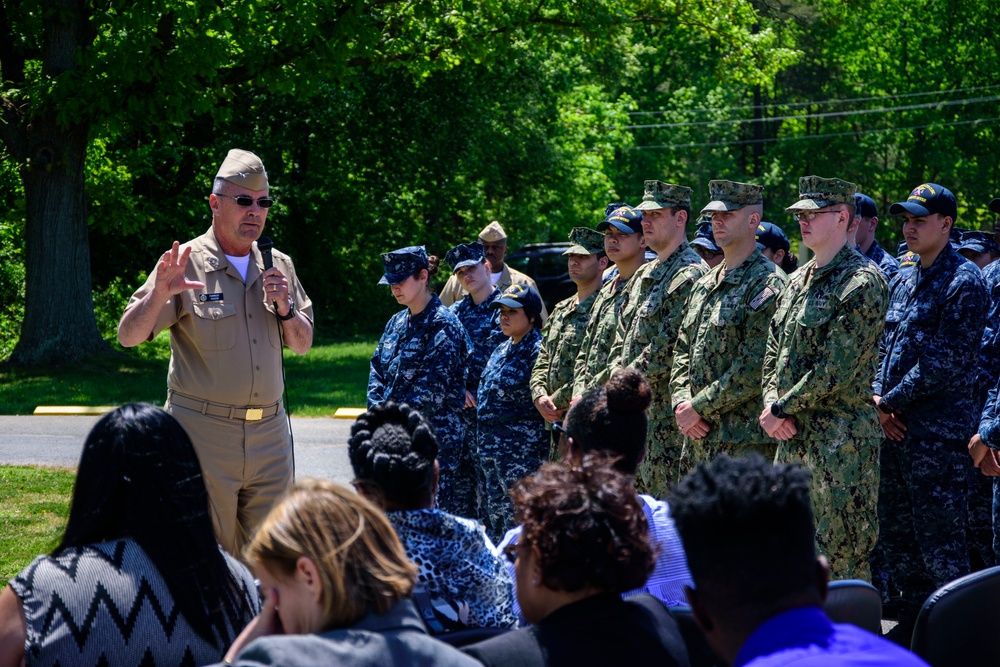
(336, 584)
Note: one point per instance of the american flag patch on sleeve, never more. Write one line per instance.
(765, 295)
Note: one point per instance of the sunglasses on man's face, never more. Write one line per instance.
(247, 201)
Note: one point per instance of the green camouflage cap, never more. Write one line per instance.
(586, 241)
(664, 195)
(816, 192)
(732, 195)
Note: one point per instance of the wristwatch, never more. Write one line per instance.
(884, 406)
(778, 411)
(291, 311)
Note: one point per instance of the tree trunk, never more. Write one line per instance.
(59, 324)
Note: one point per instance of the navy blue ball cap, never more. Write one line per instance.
(928, 199)
(403, 263)
(770, 235)
(625, 219)
(995, 205)
(519, 296)
(866, 206)
(464, 254)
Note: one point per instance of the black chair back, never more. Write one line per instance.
(950, 627)
(856, 602)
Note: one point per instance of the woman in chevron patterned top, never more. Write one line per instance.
(139, 578)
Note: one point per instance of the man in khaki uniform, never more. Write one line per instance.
(228, 318)
(715, 382)
(552, 377)
(494, 240)
(648, 321)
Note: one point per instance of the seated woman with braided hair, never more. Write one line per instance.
(462, 583)
(612, 419)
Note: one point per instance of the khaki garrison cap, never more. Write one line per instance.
(492, 233)
(243, 168)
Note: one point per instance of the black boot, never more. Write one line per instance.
(902, 634)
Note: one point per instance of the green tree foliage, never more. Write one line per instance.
(143, 97)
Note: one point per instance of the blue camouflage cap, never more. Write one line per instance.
(403, 263)
(465, 254)
(770, 235)
(978, 241)
(519, 296)
(704, 237)
(928, 199)
(625, 219)
(865, 206)
(994, 205)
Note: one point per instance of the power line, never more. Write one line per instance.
(799, 105)
(830, 114)
(814, 136)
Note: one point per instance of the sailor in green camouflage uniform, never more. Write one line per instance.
(626, 247)
(821, 355)
(715, 381)
(648, 321)
(552, 377)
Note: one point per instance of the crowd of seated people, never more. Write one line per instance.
(379, 576)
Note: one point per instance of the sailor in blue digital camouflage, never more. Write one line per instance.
(625, 247)
(482, 323)
(925, 393)
(512, 441)
(867, 211)
(421, 360)
(987, 389)
(821, 353)
(774, 244)
(981, 249)
(552, 377)
(704, 242)
(648, 319)
(715, 381)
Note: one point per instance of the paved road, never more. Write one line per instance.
(320, 444)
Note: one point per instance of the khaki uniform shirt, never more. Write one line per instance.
(561, 337)
(822, 347)
(720, 348)
(453, 290)
(224, 341)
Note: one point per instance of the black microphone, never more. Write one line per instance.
(264, 244)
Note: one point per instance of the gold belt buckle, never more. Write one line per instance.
(254, 414)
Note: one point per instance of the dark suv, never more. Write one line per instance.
(546, 264)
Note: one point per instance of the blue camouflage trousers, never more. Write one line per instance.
(979, 531)
(922, 509)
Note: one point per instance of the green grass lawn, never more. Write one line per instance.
(331, 376)
(34, 505)
(34, 502)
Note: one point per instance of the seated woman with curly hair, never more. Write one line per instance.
(337, 588)
(584, 541)
(463, 583)
(612, 419)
